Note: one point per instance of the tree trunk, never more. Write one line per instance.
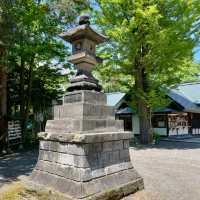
(145, 122)
(22, 97)
(3, 107)
(141, 87)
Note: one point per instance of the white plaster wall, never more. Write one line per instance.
(136, 127)
(135, 124)
(161, 131)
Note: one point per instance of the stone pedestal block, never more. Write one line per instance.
(83, 112)
(84, 152)
(86, 166)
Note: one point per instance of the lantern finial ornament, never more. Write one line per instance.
(84, 19)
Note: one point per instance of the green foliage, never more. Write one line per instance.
(153, 36)
(34, 47)
(36, 54)
(151, 43)
(156, 138)
(5, 29)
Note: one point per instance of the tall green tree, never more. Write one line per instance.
(37, 49)
(5, 30)
(152, 41)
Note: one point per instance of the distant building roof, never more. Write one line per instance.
(187, 95)
(125, 111)
(190, 90)
(114, 98)
(165, 110)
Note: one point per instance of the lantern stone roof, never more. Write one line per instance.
(83, 31)
(82, 57)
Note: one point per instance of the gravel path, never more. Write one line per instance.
(171, 170)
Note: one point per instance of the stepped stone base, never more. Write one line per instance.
(87, 166)
(84, 151)
(110, 191)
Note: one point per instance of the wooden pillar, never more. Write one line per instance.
(190, 123)
(167, 124)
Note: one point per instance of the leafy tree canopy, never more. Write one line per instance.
(36, 54)
(157, 35)
(152, 42)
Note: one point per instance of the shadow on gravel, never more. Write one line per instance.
(169, 145)
(14, 165)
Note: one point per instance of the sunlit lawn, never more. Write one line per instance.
(17, 191)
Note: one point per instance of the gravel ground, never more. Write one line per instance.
(14, 165)
(171, 170)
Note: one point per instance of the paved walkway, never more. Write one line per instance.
(171, 170)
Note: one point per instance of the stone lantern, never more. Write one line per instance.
(84, 151)
(84, 40)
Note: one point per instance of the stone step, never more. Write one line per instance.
(83, 111)
(82, 126)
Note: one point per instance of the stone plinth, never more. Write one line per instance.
(86, 166)
(84, 152)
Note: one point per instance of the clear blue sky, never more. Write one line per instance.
(197, 56)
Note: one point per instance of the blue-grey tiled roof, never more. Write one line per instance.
(165, 110)
(126, 110)
(114, 98)
(191, 91)
(187, 95)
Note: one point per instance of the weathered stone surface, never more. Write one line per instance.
(107, 146)
(85, 138)
(124, 154)
(126, 144)
(85, 96)
(68, 148)
(94, 188)
(64, 126)
(112, 194)
(88, 112)
(80, 174)
(83, 126)
(66, 159)
(65, 171)
(96, 147)
(84, 159)
(83, 111)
